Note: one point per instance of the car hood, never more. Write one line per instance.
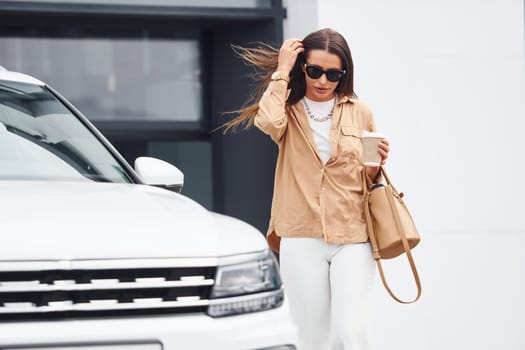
(58, 220)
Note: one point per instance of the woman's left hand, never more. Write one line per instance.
(384, 148)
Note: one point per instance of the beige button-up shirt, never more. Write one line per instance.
(312, 199)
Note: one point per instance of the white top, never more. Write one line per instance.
(321, 130)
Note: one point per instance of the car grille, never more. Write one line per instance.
(105, 287)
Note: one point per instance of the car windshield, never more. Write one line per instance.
(41, 139)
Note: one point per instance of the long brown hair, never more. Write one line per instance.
(265, 58)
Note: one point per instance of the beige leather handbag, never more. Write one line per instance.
(391, 229)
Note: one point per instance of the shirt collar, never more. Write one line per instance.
(344, 99)
(340, 99)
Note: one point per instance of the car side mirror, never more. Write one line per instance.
(159, 173)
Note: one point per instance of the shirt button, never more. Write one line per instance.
(322, 170)
(324, 188)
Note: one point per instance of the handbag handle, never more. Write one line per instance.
(377, 257)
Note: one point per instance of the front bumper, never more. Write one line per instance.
(259, 330)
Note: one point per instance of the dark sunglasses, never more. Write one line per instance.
(315, 72)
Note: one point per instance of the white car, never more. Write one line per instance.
(97, 255)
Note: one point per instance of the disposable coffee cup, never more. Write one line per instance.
(371, 140)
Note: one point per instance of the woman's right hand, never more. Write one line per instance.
(288, 53)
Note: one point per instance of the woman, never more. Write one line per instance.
(307, 105)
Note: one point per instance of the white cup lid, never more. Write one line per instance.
(373, 134)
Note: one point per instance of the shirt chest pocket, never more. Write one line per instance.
(350, 142)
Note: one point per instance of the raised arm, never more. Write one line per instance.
(271, 117)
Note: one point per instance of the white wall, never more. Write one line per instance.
(302, 18)
(446, 81)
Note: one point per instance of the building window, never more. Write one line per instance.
(132, 76)
(181, 3)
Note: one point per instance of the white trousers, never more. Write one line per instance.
(329, 288)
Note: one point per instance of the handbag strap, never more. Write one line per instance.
(373, 240)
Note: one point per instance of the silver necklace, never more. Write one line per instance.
(313, 117)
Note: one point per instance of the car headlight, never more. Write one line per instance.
(246, 283)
